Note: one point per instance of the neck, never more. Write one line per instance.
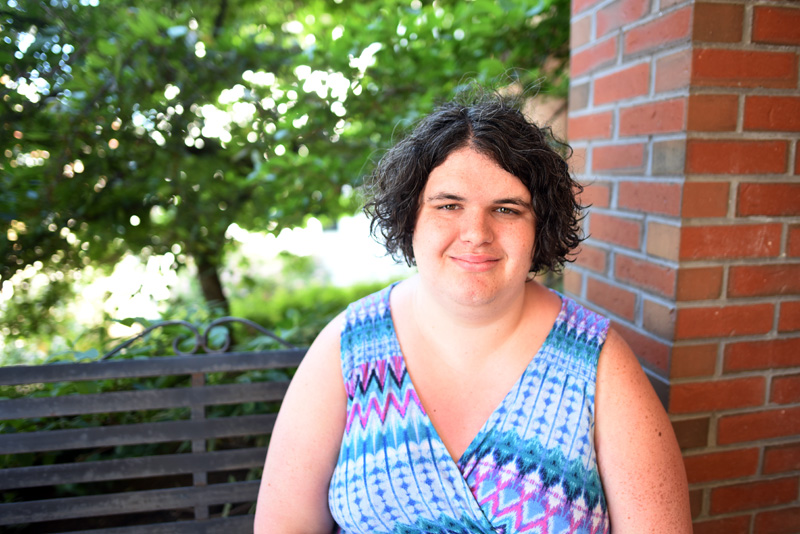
(468, 331)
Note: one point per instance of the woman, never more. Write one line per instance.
(470, 398)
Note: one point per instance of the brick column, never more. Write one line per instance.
(685, 119)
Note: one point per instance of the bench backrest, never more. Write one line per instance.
(196, 469)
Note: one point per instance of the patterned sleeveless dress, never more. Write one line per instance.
(531, 467)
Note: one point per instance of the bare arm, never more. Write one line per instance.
(304, 447)
(637, 454)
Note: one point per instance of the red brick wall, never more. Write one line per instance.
(627, 122)
(685, 118)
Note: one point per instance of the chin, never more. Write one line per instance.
(474, 294)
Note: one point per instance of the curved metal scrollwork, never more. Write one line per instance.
(201, 339)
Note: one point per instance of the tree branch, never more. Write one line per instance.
(223, 9)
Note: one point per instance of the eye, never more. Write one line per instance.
(506, 211)
(449, 207)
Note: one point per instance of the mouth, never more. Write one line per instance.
(475, 262)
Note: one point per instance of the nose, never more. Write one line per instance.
(475, 228)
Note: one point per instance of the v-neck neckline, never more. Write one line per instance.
(514, 387)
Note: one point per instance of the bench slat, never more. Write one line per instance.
(128, 468)
(112, 436)
(239, 524)
(135, 501)
(122, 401)
(158, 366)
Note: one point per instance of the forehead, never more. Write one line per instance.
(468, 171)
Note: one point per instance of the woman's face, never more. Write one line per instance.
(474, 235)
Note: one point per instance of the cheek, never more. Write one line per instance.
(527, 241)
(420, 241)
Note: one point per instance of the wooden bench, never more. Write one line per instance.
(193, 466)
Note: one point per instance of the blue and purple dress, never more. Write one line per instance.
(531, 468)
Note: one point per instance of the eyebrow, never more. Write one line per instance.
(515, 201)
(445, 196)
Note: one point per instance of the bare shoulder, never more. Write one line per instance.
(637, 453)
(305, 442)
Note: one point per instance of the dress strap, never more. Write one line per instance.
(361, 319)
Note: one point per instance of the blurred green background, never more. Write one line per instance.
(166, 135)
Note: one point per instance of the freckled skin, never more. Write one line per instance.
(637, 453)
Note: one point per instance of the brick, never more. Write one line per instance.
(618, 158)
(738, 241)
(717, 23)
(719, 321)
(717, 395)
(753, 495)
(616, 230)
(650, 351)
(789, 316)
(781, 458)
(582, 5)
(614, 299)
(673, 71)
(658, 319)
(600, 54)
(727, 525)
(580, 32)
(785, 389)
(744, 68)
(793, 242)
(650, 197)
(664, 30)
(797, 158)
(577, 161)
(592, 258)
(769, 199)
(693, 360)
(596, 194)
(705, 199)
(735, 157)
(645, 274)
(784, 521)
(653, 118)
(669, 157)
(699, 283)
(627, 83)
(595, 126)
(772, 113)
(713, 113)
(764, 280)
(620, 13)
(767, 354)
(723, 465)
(695, 502)
(776, 25)
(758, 425)
(573, 282)
(692, 433)
(663, 240)
(579, 96)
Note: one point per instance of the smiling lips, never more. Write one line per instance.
(475, 262)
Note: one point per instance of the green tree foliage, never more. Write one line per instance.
(151, 126)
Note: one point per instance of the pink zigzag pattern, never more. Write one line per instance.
(374, 406)
(553, 503)
(366, 371)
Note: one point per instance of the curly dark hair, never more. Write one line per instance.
(493, 125)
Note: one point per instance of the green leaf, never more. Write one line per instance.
(87, 355)
(107, 48)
